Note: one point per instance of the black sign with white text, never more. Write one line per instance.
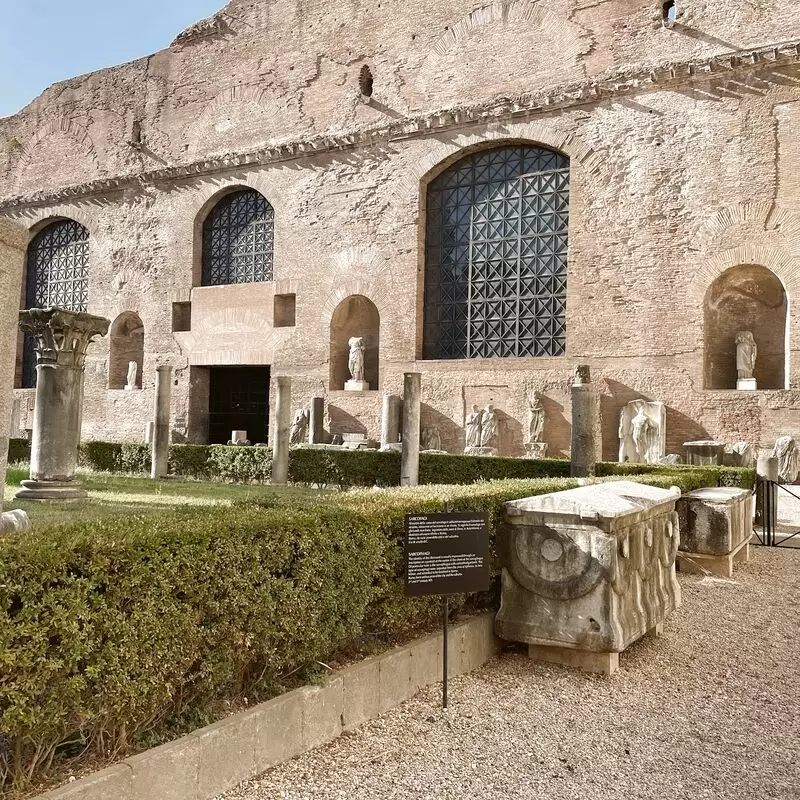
(446, 554)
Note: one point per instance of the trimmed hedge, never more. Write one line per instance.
(114, 633)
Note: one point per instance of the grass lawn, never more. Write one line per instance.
(117, 495)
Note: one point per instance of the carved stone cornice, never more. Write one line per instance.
(627, 83)
(61, 337)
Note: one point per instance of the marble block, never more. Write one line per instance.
(746, 384)
(715, 524)
(356, 386)
(704, 452)
(480, 451)
(589, 570)
(536, 450)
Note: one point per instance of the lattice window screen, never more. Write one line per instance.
(238, 238)
(57, 276)
(496, 255)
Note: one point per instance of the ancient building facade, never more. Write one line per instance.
(488, 194)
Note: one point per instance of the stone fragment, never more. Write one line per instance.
(704, 453)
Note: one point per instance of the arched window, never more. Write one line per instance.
(57, 271)
(751, 298)
(238, 239)
(496, 255)
(127, 345)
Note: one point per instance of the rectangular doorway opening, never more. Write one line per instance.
(238, 400)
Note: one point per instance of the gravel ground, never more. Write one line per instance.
(709, 710)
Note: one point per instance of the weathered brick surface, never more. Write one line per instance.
(672, 183)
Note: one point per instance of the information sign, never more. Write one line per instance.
(446, 554)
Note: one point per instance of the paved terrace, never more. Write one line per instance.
(710, 710)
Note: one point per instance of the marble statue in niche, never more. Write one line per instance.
(299, 429)
(489, 427)
(430, 439)
(481, 432)
(355, 363)
(473, 428)
(746, 354)
(534, 446)
(642, 432)
(133, 370)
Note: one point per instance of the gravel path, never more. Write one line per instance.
(709, 710)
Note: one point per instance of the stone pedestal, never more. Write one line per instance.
(316, 424)
(239, 437)
(159, 465)
(391, 415)
(746, 384)
(588, 571)
(704, 453)
(356, 386)
(716, 525)
(61, 339)
(13, 240)
(536, 450)
(582, 453)
(409, 465)
(480, 451)
(281, 429)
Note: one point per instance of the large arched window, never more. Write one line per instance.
(57, 275)
(237, 240)
(496, 255)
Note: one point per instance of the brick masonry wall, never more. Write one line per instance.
(670, 186)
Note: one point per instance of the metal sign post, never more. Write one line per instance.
(446, 554)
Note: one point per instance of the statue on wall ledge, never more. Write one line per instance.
(473, 428)
(642, 432)
(133, 370)
(536, 420)
(746, 354)
(430, 439)
(299, 430)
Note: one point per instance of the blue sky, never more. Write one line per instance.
(44, 41)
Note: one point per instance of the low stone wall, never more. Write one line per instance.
(216, 758)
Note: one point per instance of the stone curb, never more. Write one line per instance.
(218, 757)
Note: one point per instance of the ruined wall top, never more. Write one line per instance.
(258, 74)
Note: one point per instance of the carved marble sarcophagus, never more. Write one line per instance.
(588, 571)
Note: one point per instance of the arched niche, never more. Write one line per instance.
(356, 315)
(745, 298)
(126, 345)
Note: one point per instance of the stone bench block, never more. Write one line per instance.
(716, 525)
(588, 570)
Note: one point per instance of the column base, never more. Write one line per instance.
(58, 491)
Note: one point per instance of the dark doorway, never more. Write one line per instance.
(238, 400)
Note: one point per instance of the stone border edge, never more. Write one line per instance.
(217, 758)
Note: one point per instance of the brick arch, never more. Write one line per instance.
(785, 266)
(750, 219)
(377, 291)
(37, 218)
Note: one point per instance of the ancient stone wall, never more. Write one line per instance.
(684, 164)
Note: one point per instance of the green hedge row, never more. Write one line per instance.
(342, 468)
(119, 632)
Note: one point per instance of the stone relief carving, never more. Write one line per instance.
(642, 432)
(430, 438)
(785, 451)
(489, 427)
(299, 429)
(473, 428)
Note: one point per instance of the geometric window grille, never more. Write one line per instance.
(57, 276)
(496, 255)
(238, 239)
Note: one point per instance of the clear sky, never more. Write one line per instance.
(44, 41)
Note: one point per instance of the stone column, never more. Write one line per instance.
(316, 424)
(61, 338)
(160, 451)
(390, 419)
(13, 239)
(583, 412)
(281, 429)
(409, 467)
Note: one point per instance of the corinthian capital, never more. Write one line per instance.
(62, 336)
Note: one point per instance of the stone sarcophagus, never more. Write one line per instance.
(588, 571)
(716, 525)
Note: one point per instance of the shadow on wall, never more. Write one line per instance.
(451, 435)
(557, 428)
(680, 428)
(343, 422)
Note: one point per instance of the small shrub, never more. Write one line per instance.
(240, 464)
(190, 460)
(101, 456)
(19, 450)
